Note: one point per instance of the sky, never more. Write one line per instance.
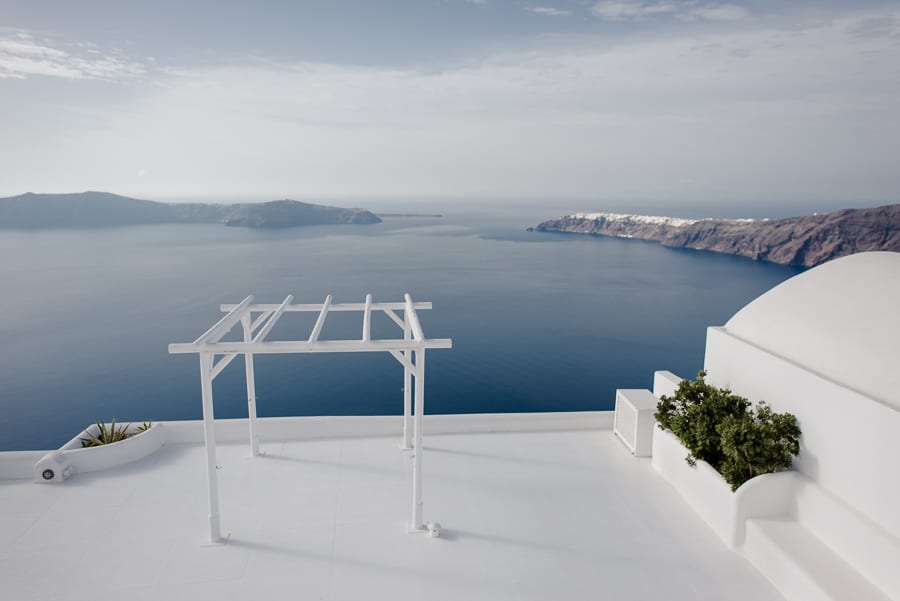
(646, 100)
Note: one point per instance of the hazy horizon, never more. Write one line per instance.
(627, 101)
(538, 208)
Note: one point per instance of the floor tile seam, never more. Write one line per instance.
(17, 540)
(334, 523)
(160, 579)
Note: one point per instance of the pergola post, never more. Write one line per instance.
(417, 523)
(209, 437)
(407, 391)
(251, 387)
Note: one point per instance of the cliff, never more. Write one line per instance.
(102, 209)
(804, 241)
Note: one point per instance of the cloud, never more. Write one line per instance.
(631, 9)
(21, 56)
(882, 26)
(719, 12)
(719, 115)
(549, 11)
(635, 10)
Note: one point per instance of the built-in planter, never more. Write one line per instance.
(73, 458)
(707, 492)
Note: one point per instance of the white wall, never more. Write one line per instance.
(850, 443)
(838, 319)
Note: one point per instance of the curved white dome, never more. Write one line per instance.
(840, 320)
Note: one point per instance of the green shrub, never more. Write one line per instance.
(757, 444)
(722, 429)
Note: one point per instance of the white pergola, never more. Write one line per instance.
(257, 321)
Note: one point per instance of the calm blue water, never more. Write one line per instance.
(539, 322)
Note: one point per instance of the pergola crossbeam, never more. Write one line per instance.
(259, 321)
(273, 320)
(221, 327)
(319, 346)
(413, 319)
(316, 307)
(320, 320)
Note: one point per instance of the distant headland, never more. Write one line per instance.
(804, 241)
(103, 209)
(394, 215)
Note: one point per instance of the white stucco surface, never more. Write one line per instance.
(823, 347)
(526, 515)
(840, 320)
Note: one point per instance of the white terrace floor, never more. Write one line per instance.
(526, 515)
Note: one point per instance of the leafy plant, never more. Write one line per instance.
(722, 429)
(144, 427)
(757, 444)
(105, 434)
(694, 412)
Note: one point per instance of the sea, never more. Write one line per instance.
(539, 321)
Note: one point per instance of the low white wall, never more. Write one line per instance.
(707, 492)
(850, 443)
(665, 383)
(358, 426)
(21, 464)
(701, 486)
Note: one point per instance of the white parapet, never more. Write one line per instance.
(665, 383)
(21, 464)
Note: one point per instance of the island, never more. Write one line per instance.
(802, 241)
(104, 209)
(394, 215)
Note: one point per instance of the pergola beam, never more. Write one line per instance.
(221, 327)
(273, 320)
(316, 307)
(320, 320)
(259, 320)
(413, 319)
(320, 346)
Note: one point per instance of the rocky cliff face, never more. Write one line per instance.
(804, 241)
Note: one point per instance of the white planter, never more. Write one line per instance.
(707, 492)
(72, 458)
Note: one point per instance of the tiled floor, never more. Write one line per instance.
(549, 516)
